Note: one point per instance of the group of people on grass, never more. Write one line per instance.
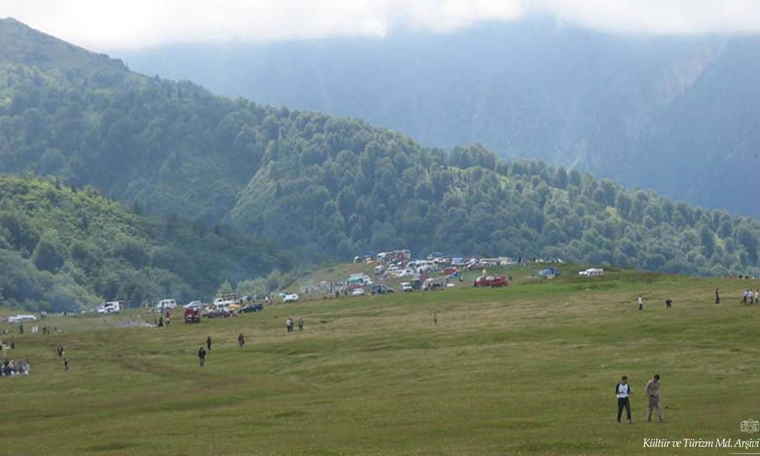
(10, 367)
(203, 352)
(751, 297)
(623, 392)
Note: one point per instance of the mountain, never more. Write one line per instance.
(330, 187)
(618, 106)
(61, 248)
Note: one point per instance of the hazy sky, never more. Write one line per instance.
(114, 24)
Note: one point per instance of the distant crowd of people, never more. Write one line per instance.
(10, 367)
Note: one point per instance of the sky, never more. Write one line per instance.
(105, 25)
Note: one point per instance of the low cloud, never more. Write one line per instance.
(110, 25)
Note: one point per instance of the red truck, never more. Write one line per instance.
(490, 281)
(192, 315)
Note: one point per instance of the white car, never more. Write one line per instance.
(292, 297)
(406, 287)
(165, 304)
(109, 307)
(21, 318)
(358, 292)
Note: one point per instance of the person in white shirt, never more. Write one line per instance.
(641, 303)
(622, 391)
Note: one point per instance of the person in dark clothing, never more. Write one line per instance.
(300, 324)
(202, 356)
(161, 322)
(13, 343)
(622, 391)
(66, 363)
(241, 340)
(208, 343)
(21, 328)
(59, 350)
(717, 296)
(668, 303)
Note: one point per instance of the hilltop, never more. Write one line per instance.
(331, 188)
(63, 249)
(670, 113)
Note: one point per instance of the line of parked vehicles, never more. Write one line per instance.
(223, 306)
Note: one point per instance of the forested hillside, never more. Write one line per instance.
(331, 187)
(62, 248)
(618, 106)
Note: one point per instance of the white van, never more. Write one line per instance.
(166, 304)
(110, 307)
(21, 318)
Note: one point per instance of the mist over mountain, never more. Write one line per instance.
(674, 114)
(326, 187)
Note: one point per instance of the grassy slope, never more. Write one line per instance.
(524, 370)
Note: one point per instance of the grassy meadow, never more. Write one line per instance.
(525, 370)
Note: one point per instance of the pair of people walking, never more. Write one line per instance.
(289, 324)
(623, 392)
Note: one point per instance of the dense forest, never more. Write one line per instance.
(329, 188)
(618, 106)
(62, 248)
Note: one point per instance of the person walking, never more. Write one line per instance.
(435, 318)
(668, 303)
(757, 296)
(717, 296)
(66, 363)
(208, 343)
(640, 300)
(300, 324)
(653, 392)
(202, 356)
(241, 340)
(289, 325)
(622, 392)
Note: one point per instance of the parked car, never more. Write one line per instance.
(192, 315)
(165, 304)
(291, 297)
(490, 281)
(218, 313)
(432, 284)
(381, 289)
(550, 272)
(592, 272)
(225, 301)
(21, 318)
(110, 307)
(252, 308)
(406, 287)
(358, 292)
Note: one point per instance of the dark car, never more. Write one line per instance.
(381, 289)
(218, 313)
(252, 308)
(490, 281)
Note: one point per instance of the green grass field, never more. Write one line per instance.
(528, 370)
